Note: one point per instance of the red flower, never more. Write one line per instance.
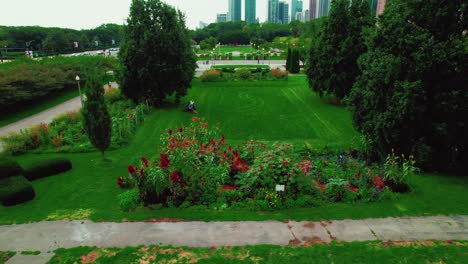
(229, 187)
(170, 132)
(353, 189)
(145, 161)
(222, 140)
(321, 186)
(164, 161)
(378, 182)
(142, 171)
(131, 169)
(235, 153)
(181, 130)
(120, 182)
(175, 177)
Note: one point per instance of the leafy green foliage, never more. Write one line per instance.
(24, 81)
(208, 44)
(128, 200)
(293, 61)
(97, 121)
(47, 168)
(9, 167)
(333, 65)
(48, 41)
(411, 95)
(15, 190)
(156, 55)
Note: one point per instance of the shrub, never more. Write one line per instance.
(15, 190)
(211, 75)
(47, 168)
(129, 200)
(243, 74)
(9, 167)
(279, 74)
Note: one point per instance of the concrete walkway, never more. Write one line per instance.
(48, 236)
(45, 116)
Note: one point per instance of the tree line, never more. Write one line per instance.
(58, 40)
(403, 76)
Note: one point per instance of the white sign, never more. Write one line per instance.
(280, 188)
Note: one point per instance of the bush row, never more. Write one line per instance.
(27, 80)
(244, 74)
(15, 188)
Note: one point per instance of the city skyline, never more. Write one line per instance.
(90, 13)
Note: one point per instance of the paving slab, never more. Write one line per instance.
(42, 258)
(48, 236)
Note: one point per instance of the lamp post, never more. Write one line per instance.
(77, 78)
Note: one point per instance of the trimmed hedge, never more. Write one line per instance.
(9, 168)
(15, 190)
(47, 168)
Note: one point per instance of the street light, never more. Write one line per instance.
(77, 78)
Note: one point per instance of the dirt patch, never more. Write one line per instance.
(309, 225)
(90, 258)
(391, 243)
(164, 220)
(295, 242)
(78, 214)
(182, 255)
(325, 223)
(310, 241)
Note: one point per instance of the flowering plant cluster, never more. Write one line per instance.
(195, 166)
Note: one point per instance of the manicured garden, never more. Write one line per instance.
(356, 252)
(284, 111)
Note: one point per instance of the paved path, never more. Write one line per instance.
(45, 116)
(48, 236)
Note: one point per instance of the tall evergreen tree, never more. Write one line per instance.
(333, 61)
(411, 95)
(156, 55)
(97, 121)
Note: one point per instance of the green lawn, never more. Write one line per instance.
(268, 111)
(36, 107)
(356, 252)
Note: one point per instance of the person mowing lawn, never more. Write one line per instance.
(191, 108)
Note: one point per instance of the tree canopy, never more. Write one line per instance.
(156, 55)
(411, 95)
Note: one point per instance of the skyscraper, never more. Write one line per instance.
(296, 7)
(283, 12)
(373, 6)
(323, 8)
(250, 11)
(312, 9)
(306, 16)
(235, 10)
(221, 18)
(273, 8)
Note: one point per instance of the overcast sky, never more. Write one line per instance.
(85, 14)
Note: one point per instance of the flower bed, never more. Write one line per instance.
(66, 134)
(196, 167)
(222, 74)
